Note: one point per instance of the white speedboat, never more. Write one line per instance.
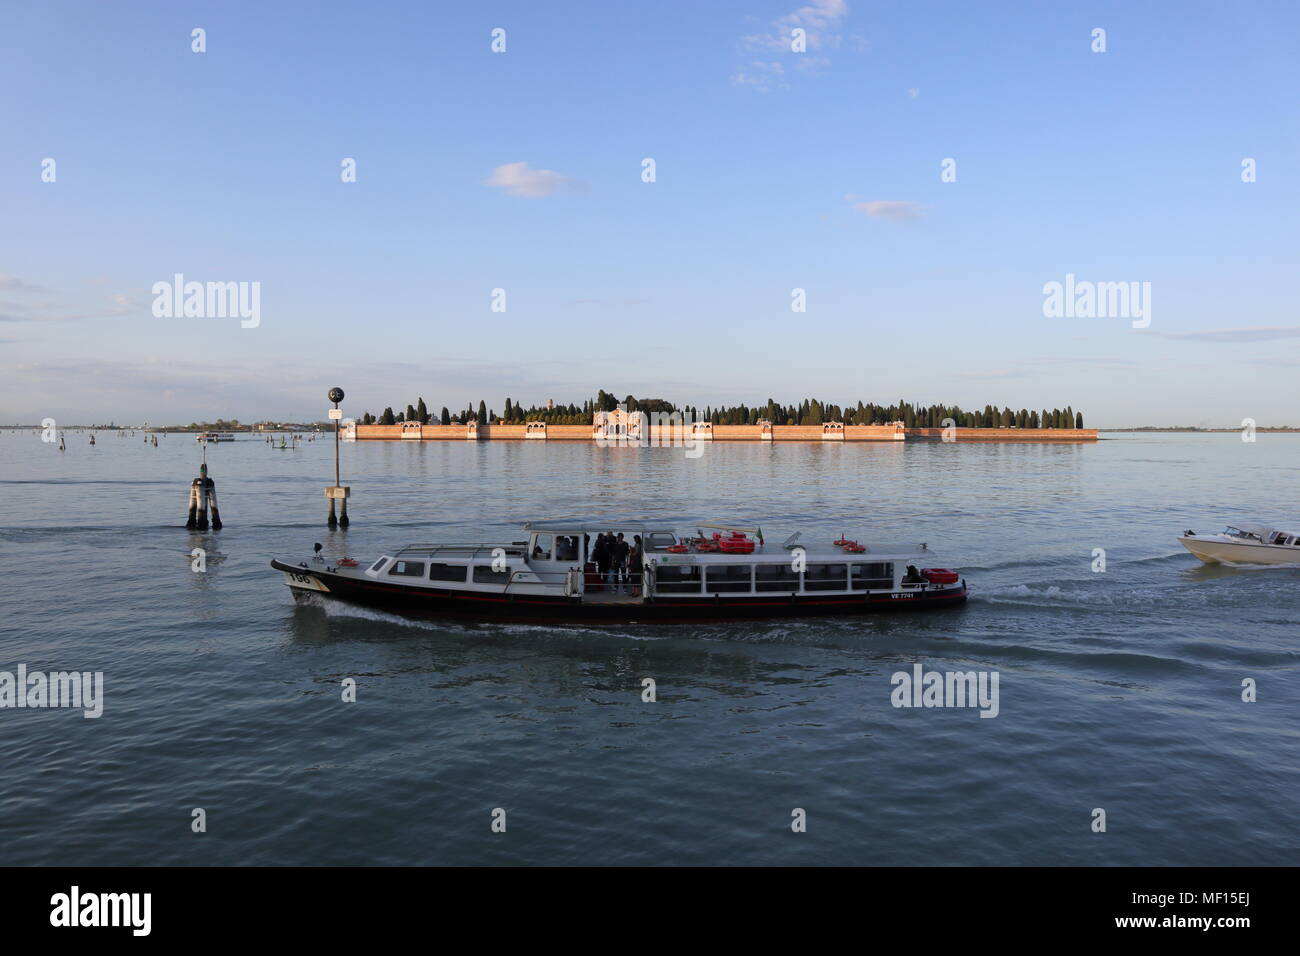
(206, 437)
(1244, 544)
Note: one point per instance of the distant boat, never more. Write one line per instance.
(215, 436)
(1244, 544)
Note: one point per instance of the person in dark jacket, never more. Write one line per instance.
(600, 554)
(618, 563)
(635, 565)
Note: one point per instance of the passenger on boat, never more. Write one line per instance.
(635, 566)
(600, 554)
(913, 576)
(618, 562)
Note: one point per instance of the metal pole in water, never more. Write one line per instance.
(337, 491)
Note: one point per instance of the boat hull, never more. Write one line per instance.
(1214, 550)
(437, 602)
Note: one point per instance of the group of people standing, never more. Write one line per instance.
(617, 561)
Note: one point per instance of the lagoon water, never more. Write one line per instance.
(1119, 690)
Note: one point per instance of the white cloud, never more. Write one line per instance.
(819, 20)
(895, 209)
(14, 284)
(761, 77)
(1259, 333)
(518, 180)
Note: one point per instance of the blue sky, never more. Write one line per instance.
(774, 170)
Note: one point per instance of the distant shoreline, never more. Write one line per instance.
(1192, 429)
(327, 426)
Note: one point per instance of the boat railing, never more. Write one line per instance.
(570, 580)
(467, 550)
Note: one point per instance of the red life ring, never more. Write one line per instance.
(939, 575)
(347, 563)
(677, 549)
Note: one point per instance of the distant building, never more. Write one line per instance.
(618, 424)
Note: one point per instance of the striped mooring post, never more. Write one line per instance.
(203, 492)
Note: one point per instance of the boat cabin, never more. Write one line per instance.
(570, 559)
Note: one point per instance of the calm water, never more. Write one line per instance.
(1118, 690)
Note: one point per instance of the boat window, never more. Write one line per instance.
(775, 577)
(1283, 539)
(378, 564)
(728, 577)
(407, 569)
(677, 578)
(872, 577)
(659, 540)
(484, 574)
(542, 546)
(826, 577)
(447, 572)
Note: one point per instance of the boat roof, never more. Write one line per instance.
(585, 525)
(816, 555)
(1249, 528)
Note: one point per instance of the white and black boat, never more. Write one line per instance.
(554, 574)
(1244, 544)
